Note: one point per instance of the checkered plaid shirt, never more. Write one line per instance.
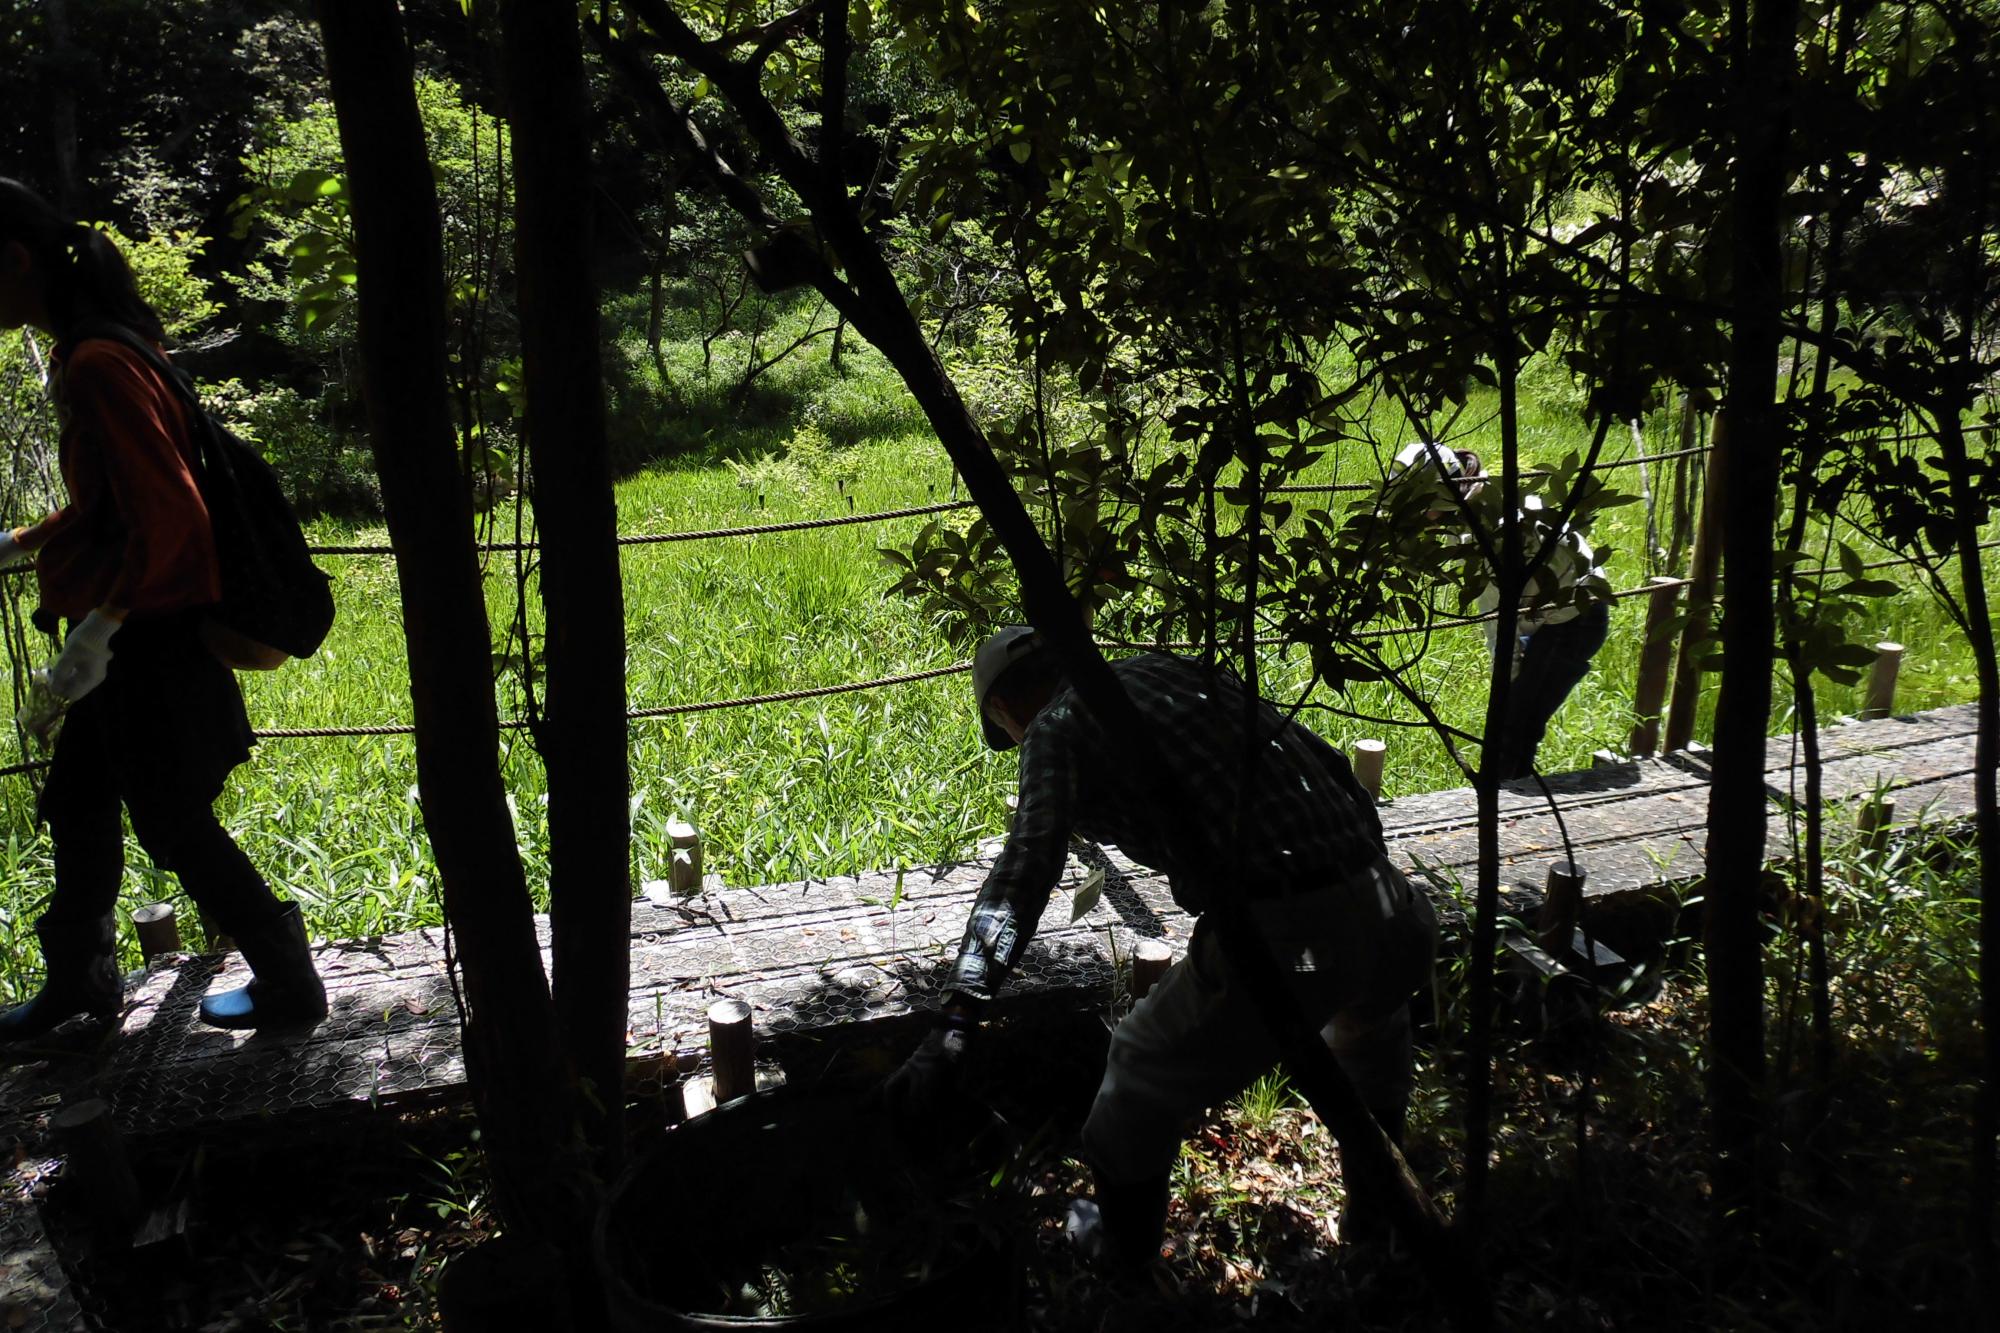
(1309, 822)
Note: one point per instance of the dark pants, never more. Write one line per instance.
(157, 738)
(1555, 659)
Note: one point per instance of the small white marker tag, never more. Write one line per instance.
(1087, 894)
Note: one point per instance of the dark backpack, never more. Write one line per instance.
(276, 604)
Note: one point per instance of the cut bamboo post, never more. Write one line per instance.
(684, 875)
(1562, 907)
(1656, 659)
(1704, 564)
(1880, 698)
(1368, 759)
(1150, 961)
(732, 1050)
(95, 1159)
(158, 931)
(1872, 822)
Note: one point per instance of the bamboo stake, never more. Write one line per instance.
(1703, 566)
(1369, 756)
(1656, 657)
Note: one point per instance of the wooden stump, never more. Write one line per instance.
(1562, 907)
(97, 1164)
(158, 931)
(1879, 699)
(1150, 961)
(684, 875)
(732, 1049)
(1872, 822)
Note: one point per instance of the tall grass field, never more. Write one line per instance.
(887, 777)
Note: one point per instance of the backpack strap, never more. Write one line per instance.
(200, 429)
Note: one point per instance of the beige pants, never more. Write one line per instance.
(1353, 954)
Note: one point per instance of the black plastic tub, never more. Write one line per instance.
(818, 1189)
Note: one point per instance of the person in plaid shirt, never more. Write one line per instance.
(1355, 940)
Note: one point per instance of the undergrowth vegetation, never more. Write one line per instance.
(1603, 1171)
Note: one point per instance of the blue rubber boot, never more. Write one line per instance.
(284, 989)
(83, 978)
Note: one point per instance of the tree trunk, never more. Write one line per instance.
(582, 735)
(874, 304)
(1509, 578)
(62, 106)
(1966, 511)
(519, 1084)
(1736, 811)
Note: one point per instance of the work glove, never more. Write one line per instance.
(85, 657)
(10, 549)
(930, 1077)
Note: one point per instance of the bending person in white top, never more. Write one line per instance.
(1561, 625)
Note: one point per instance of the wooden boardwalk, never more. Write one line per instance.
(830, 955)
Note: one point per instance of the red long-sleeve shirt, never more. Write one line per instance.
(135, 534)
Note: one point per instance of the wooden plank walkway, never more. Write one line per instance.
(829, 955)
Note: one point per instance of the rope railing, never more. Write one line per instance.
(917, 511)
(699, 535)
(908, 677)
(958, 668)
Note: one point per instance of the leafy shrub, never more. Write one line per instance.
(324, 470)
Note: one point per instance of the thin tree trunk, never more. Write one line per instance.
(1966, 510)
(62, 106)
(1508, 579)
(1736, 812)
(582, 735)
(873, 302)
(519, 1084)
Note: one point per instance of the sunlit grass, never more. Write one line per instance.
(783, 791)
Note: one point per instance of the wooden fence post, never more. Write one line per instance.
(1879, 700)
(684, 874)
(1369, 756)
(1872, 821)
(158, 931)
(732, 1049)
(1562, 908)
(1703, 565)
(1150, 961)
(1656, 657)
(95, 1158)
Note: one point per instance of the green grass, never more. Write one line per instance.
(819, 787)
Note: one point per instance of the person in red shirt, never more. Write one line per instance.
(152, 722)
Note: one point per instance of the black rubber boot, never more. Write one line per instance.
(284, 989)
(1364, 1223)
(1135, 1220)
(83, 978)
